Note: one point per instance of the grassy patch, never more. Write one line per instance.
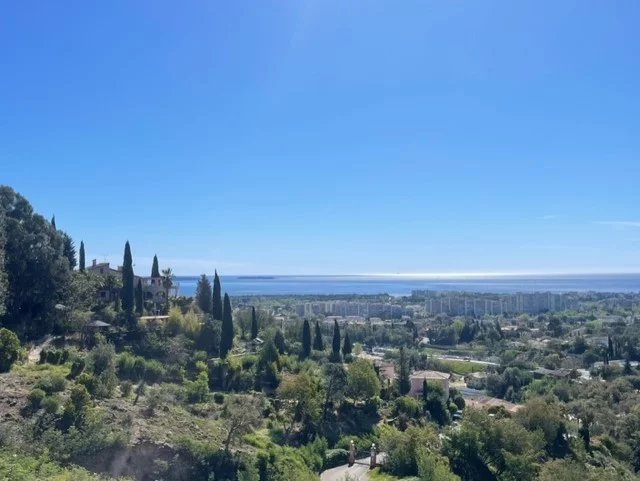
(18, 467)
(377, 475)
(463, 367)
(260, 439)
(32, 373)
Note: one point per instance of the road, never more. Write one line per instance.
(357, 472)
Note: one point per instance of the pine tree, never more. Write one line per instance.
(82, 266)
(318, 343)
(254, 323)
(53, 221)
(346, 345)
(127, 280)
(226, 336)
(217, 297)
(203, 294)
(139, 298)
(335, 347)
(404, 383)
(306, 340)
(155, 270)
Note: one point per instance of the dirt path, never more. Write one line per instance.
(34, 352)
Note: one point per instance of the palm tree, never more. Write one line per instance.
(167, 283)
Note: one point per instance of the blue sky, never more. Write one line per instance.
(330, 137)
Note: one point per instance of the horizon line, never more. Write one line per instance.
(438, 275)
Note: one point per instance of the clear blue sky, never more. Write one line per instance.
(329, 136)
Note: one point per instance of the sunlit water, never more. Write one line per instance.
(402, 286)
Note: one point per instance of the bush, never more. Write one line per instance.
(218, 398)
(89, 381)
(34, 399)
(125, 388)
(77, 366)
(52, 383)
(197, 391)
(50, 404)
(9, 349)
(336, 457)
(153, 371)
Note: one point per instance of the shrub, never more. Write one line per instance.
(218, 398)
(336, 457)
(77, 366)
(197, 391)
(9, 349)
(153, 371)
(125, 388)
(50, 404)
(89, 381)
(34, 399)
(52, 383)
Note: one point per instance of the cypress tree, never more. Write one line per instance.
(82, 256)
(53, 221)
(306, 340)
(226, 336)
(335, 348)
(139, 300)
(254, 323)
(318, 343)
(217, 297)
(346, 345)
(127, 280)
(404, 383)
(203, 294)
(279, 341)
(155, 270)
(425, 391)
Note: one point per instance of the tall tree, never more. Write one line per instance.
(69, 249)
(203, 294)
(335, 345)
(36, 273)
(217, 297)
(306, 340)
(279, 342)
(139, 298)
(167, 283)
(226, 336)
(318, 343)
(346, 345)
(53, 221)
(155, 270)
(82, 260)
(127, 280)
(404, 383)
(254, 323)
(3, 274)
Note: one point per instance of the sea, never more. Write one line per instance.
(403, 285)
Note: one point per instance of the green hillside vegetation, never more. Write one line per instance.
(239, 389)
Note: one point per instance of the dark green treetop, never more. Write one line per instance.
(217, 297)
(226, 336)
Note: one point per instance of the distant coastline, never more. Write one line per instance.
(402, 286)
